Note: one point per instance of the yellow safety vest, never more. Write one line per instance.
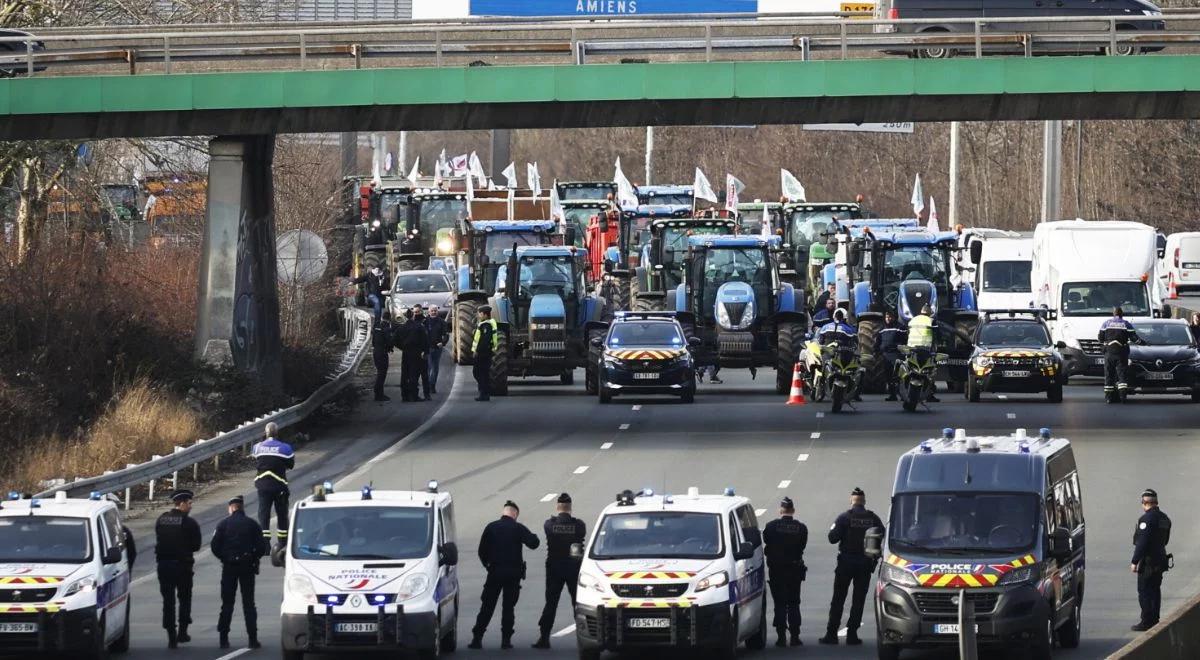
(495, 335)
(920, 332)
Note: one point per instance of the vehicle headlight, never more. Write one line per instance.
(713, 581)
(302, 587)
(897, 575)
(984, 362)
(445, 246)
(589, 581)
(611, 361)
(1046, 361)
(413, 586)
(722, 315)
(1024, 574)
(82, 585)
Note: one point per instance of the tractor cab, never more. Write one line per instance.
(733, 278)
(666, 196)
(488, 241)
(663, 258)
(806, 230)
(434, 221)
(585, 191)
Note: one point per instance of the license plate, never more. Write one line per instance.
(18, 627)
(1190, 265)
(356, 628)
(1015, 374)
(948, 628)
(1159, 375)
(645, 376)
(650, 623)
(1098, 361)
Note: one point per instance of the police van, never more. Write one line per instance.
(675, 571)
(64, 577)
(371, 570)
(996, 520)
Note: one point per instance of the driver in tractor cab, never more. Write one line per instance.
(921, 331)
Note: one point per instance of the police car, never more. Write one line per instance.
(646, 353)
(1014, 353)
(371, 570)
(64, 577)
(675, 571)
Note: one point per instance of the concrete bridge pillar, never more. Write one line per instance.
(238, 317)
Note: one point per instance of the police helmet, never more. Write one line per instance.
(839, 315)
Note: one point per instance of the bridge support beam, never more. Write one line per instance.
(237, 322)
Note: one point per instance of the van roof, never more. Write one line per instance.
(958, 462)
(392, 498)
(690, 503)
(70, 508)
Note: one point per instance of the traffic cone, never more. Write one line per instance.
(796, 398)
(1172, 289)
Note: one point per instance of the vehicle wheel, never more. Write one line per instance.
(408, 264)
(787, 347)
(591, 371)
(1072, 631)
(911, 396)
(567, 377)
(936, 53)
(434, 652)
(875, 368)
(122, 643)
(589, 654)
(465, 314)
(758, 641)
(837, 398)
(689, 394)
(605, 393)
(621, 297)
(99, 650)
(1043, 646)
(887, 651)
(1123, 50)
(973, 389)
(648, 303)
(729, 648)
(1054, 394)
(499, 370)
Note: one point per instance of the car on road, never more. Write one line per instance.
(1167, 362)
(643, 353)
(1181, 261)
(672, 572)
(423, 287)
(1014, 353)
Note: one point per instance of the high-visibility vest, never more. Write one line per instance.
(478, 333)
(920, 332)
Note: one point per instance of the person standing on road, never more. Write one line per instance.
(1116, 334)
(272, 459)
(176, 538)
(414, 359)
(1150, 558)
(849, 532)
(439, 334)
(887, 348)
(500, 552)
(238, 544)
(483, 347)
(382, 341)
(785, 539)
(562, 570)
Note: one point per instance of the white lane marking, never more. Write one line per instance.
(1012, 415)
(820, 415)
(581, 469)
(759, 512)
(637, 407)
(607, 445)
(802, 457)
(565, 631)
(1003, 396)
(785, 483)
(239, 652)
(624, 427)
(815, 435)
(549, 496)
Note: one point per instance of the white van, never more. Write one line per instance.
(677, 571)
(371, 571)
(64, 577)
(1181, 261)
(1002, 269)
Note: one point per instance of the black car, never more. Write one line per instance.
(646, 353)
(1013, 353)
(1167, 362)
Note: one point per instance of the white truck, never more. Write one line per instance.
(1084, 269)
(1001, 264)
(1181, 261)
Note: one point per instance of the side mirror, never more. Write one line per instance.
(693, 342)
(576, 551)
(1060, 543)
(976, 252)
(569, 235)
(597, 342)
(449, 554)
(745, 550)
(1060, 345)
(111, 556)
(873, 543)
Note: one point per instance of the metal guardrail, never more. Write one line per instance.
(357, 329)
(574, 39)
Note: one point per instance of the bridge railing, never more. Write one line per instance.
(574, 41)
(356, 325)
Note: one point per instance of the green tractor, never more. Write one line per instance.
(661, 266)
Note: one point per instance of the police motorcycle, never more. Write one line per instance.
(834, 370)
(916, 374)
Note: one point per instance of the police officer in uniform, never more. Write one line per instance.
(272, 459)
(239, 545)
(483, 346)
(853, 566)
(785, 539)
(887, 348)
(921, 332)
(176, 536)
(1116, 335)
(414, 347)
(382, 338)
(500, 553)
(1150, 558)
(562, 530)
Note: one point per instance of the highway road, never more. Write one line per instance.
(546, 438)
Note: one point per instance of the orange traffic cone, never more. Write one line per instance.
(1172, 289)
(796, 398)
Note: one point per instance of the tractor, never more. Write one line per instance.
(619, 286)
(433, 219)
(669, 195)
(585, 191)
(661, 264)
(805, 230)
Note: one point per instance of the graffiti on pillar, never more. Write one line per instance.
(256, 341)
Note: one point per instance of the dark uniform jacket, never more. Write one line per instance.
(500, 547)
(382, 338)
(272, 459)
(1150, 539)
(891, 338)
(413, 338)
(177, 536)
(849, 531)
(374, 285)
(562, 531)
(238, 540)
(785, 539)
(438, 332)
(485, 339)
(1116, 335)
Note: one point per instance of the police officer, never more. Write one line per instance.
(1150, 558)
(562, 530)
(837, 331)
(500, 553)
(921, 331)
(272, 459)
(176, 537)
(887, 348)
(785, 539)
(414, 360)
(1116, 334)
(382, 338)
(853, 566)
(483, 346)
(238, 543)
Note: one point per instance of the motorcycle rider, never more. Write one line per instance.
(920, 337)
(839, 332)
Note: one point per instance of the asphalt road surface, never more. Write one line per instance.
(546, 438)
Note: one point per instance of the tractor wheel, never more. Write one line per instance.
(499, 370)
(408, 264)
(622, 297)
(647, 303)
(876, 374)
(465, 314)
(787, 347)
(591, 371)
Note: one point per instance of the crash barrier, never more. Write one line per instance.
(356, 326)
(1183, 308)
(1175, 638)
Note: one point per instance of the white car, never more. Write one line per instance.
(680, 571)
(371, 571)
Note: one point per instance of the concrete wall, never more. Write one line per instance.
(1175, 638)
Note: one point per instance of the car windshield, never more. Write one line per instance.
(362, 532)
(633, 333)
(1013, 333)
(45, 539)
(982, 523)
(498, 242)
(1007, 276)
(420, 283)
(658, 535)
(1099, 298)
(589, 193)
(665, 198)
(439, 214)
(1164, 334)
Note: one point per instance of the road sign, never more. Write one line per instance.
(893, 127)
(300, 257)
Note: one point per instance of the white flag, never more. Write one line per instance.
(733, 188)
(702, 189)
(460, 165)
(918, 197)
(151, 200)
(476, 169)
(376, 162)
(510, 173)
(626, 195)
(416, 171)
(557, 212)
(766, 226)
(791, 188)
(535, 179)
(388, 164)
(932, 224)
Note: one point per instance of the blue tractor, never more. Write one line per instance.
(545, 314)
(733, 300)
(660, 267)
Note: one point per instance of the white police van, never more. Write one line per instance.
(64, 577)
(371, 571)
(675, 571)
